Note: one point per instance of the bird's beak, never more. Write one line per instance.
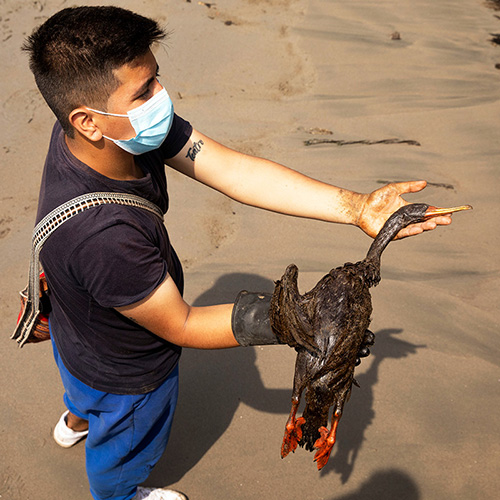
(436, 211)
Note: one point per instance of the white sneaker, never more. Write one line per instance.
(158, 494)
(66, 437)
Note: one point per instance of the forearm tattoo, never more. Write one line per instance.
(194, 150)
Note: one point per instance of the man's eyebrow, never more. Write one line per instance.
(146, 85)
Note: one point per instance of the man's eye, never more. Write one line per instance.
(147, 93)
(149, 90)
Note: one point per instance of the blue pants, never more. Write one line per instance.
(127, 433)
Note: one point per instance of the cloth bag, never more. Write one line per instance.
(33, 320)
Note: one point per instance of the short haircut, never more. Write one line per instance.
(73, 55)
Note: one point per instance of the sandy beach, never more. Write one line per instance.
(355, 93)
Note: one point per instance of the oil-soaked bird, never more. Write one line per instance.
(328, 327)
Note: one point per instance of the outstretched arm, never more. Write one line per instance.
(271, 186)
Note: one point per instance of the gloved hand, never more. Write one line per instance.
(250, 319)
(364, 350)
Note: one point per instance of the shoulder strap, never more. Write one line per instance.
(47, 226)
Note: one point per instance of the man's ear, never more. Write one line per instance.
(82, 120)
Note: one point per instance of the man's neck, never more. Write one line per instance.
(109, 160)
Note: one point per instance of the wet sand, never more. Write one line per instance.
(265, 77)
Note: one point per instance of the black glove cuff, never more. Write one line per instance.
(250, 319)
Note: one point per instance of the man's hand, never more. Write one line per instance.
(383, 202)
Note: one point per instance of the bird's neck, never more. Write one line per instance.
(371, 263)
(383, 238)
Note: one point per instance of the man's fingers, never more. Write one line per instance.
(410, 186)
(409, 231)
(428, 225)
(438, 221)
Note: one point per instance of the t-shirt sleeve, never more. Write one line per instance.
(179, 134)
(118, 266)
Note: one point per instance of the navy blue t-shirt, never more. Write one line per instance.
(106, 257)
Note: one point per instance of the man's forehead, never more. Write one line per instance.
(137, 71)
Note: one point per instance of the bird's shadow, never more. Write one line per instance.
(214, 383)
(359, 412)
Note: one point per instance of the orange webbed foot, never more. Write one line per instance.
(325, 442)
(324, 445)
(293, 434)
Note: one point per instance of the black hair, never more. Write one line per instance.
(73, 55)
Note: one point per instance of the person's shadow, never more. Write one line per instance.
(214, 383)
(383, 485)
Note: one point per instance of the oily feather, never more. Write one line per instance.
(336, 331)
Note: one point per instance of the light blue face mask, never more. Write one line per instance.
(151, 122)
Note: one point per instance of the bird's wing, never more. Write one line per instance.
(288, 313)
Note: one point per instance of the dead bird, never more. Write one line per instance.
(328, 327)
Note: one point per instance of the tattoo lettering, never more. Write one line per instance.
(192, 152)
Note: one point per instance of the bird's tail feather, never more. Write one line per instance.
(314, 419)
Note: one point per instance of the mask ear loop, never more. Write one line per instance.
(105, 113)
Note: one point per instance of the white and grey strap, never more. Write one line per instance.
(47, 226)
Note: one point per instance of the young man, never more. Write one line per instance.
(118, 319)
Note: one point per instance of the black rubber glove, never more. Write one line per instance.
(364, 350)
(250, 319)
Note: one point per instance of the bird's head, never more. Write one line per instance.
(409, 214)
(412, 213)
(420, 212)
